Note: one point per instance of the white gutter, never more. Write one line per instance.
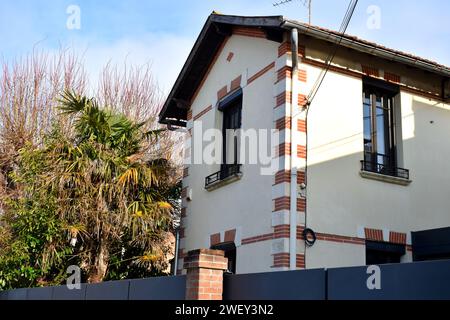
(293, 167)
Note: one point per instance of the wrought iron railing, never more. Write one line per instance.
(378, 163)
(226, 171)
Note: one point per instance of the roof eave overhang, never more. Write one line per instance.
(216, 29)
(366, 48)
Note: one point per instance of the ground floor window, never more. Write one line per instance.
(230, 253)
(383, 253)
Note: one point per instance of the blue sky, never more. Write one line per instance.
(163, 32)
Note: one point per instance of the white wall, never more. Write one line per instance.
(244, 204)
(254, 258)
(340, 201)
(335, 255)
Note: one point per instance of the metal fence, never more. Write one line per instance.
(407, 281)
(163, 288)
(287, 285)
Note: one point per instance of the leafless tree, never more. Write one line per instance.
(30, 89)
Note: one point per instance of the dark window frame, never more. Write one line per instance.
(231, 108)
(381, 148)
(379, 128)
(232, 120)
(378, 253)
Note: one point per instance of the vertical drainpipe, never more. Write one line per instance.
(177, 245)
(293, 157)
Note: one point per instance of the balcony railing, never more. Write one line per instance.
(226, 171)
(378, 163)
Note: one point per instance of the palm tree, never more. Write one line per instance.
(109, 188)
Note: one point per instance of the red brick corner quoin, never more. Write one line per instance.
(204, 278)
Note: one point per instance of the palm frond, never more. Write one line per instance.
(72, 103)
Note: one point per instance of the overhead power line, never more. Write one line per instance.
(348, 16)
(318, 83)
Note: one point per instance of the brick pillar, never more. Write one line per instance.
(205, 270)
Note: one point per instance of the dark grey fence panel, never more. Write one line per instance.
(409, 281)
(288, 285)
(111, 290)
(3, 295)
(164, 288)
(19, 294)
(40, 293)
(63, 293)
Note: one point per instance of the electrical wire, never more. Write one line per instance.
(329, 60)
(310, 98)
(346, 21)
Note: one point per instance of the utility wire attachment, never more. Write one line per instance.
(280, 3)
(329, 60)
(306, 3)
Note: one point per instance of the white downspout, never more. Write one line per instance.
(177, 245)
(293, 166)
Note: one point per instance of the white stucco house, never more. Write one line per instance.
(359, 172)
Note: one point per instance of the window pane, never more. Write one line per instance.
(232, 117)
(381, 137)
(379, 102)
(382, 160)
(231, 122)
(367, 135)
(367, 123)
(367, 98)
(366, 111)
